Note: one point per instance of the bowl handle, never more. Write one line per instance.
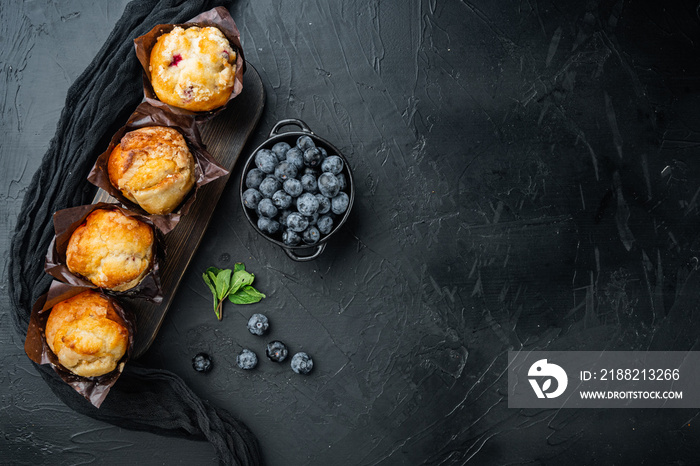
(294, 257)
(290, 121)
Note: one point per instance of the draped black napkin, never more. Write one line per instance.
(97, 105)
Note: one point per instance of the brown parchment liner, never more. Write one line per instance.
(206, 168)
(218, 17)
(67, 220)
(94, 389)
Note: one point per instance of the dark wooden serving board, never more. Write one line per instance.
(225, 136)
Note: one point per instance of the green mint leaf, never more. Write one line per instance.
(239, 266)
(223, 283)
(240, 279)
(246, 295)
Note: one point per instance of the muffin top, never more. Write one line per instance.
(193, 68)
(87, 334)
(152, 167)
(111, 250)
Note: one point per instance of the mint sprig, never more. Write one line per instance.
(236, 285)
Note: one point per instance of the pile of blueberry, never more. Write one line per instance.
(297, 192)
(276, 351)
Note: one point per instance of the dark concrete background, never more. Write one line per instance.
(527, 178)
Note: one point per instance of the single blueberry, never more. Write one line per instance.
(251, 198)
(290, 237)
(312, 219)
(328, 184)
(258, 324)
(265, 160)
(340, 203)
(295, 156)
(276, 351)
(305, 142)
(307, 204)
(267, 225)
(325, 224)
(202, 362)
(311, 235)
(311, 171)
(280, 150)
(283, 216)
(312, 157)
(297, 222)
(324, 153)
(269, 186)
(247, 359)
(342, 181)
(293, 187)
(281, 199)
(285, 171)
(267, 209)
(309, 183)
(324, 204)
(332, 164)
(302, 363)
(254, 178)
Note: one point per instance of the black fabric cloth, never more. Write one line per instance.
(97, 104)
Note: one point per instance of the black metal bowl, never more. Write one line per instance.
(290, 137)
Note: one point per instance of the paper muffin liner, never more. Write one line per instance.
(206, 168)
(65, 223)
(94, 389)
(218, 17)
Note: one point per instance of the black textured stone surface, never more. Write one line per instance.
(527, 178)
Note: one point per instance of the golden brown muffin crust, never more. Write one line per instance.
(193, 68)
(87, 334)
(153, 167)
(111, 250)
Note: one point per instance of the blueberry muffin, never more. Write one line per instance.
(193, 68)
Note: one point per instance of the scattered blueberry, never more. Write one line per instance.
(268, 225)
(276, 351)
(328, 185)
(291, 237)
(312, 157)
(254, 178)
(308, 182)
(265, 160)
(269, 186)
(202, 362)
(295, 156)
(305, 142)
(281, 199)
(332, 164)
(247, 359)
(302, 363)
(311, 235)
(258, 324)
(325, 224)
(297, 222)
(340, 203)
(324, 204)
(293, 187)
(307, 204)
(285, 171)
(267, 209)
(251, 198)
(280, 150)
